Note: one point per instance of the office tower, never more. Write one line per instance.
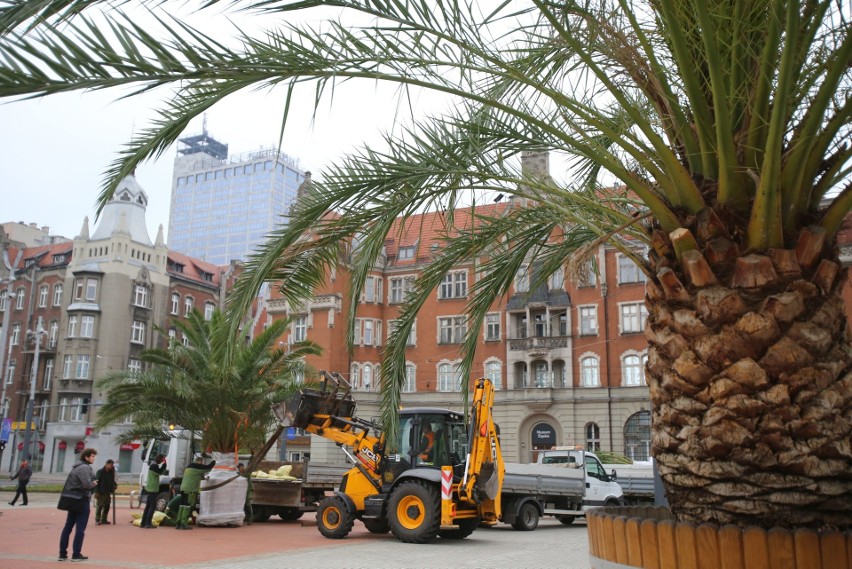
(223, 207)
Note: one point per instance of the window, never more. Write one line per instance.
(87, 327)
(137, 332)
(76, 410)
(542, 375)
(134, 365)
(300, 328)
(67, 367)
(53, 334)
(10, 373)
(72, 326)
(19, 299)
(372, 289)
(540, 325)
(590, 371)
(175, 303)
(522, 279)
(368, 335)
(187, 306)
(57, 295)
(492, 327)
(454, 285)
(632, 369)
(400, 288)
(78, 289)
(82, 371)
(63, 409)
(588, 320)
(48, 375)
(91, 289)
(593, 437)
(42, 296)
(172, 336)
(140, 296)
(637, 436)
(3, 300)
(16, 334)
(355, 376)
(557, 280)
(209, 307)
(410, 385)
(588, 277)
(494, 372)
(405, 253)
(633, 317)
(449, 377)
(412, 334)
(368, 376)
(628, 272)
(451, 330)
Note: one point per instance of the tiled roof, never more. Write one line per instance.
(44, 254)
(193, 269)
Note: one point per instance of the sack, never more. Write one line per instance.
(73, 505)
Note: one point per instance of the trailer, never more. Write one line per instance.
(289, 499)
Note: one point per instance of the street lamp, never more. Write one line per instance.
(4, 332)
(33, 376)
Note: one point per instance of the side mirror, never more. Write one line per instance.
(613, 475)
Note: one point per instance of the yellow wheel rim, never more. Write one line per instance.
(331, 518)
(410, 512)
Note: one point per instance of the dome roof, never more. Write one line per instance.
(125, 213)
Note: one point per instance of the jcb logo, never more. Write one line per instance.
(369, 454)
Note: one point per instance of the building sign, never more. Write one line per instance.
(5, 429)
(543, 434)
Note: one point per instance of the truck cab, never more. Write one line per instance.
(601, 487)
(178, 451)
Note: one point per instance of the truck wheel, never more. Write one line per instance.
(376, 526)
(162, 501)
(527, 519)
(333, 519)
(466, 528)
(566, 519)
(414, 512)
(259, 514)
(290, 514)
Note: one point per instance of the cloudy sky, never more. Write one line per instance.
(54, 150)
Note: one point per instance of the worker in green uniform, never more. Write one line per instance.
(189, 488)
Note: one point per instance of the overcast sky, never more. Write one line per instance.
(54, 151)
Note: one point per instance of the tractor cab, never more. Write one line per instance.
(431, 438)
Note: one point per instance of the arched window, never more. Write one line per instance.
(175, 303)
(637, 436)
(494, 372)
(590, 371)
(631, 370)
(593, 437)
(368, 376)
(355, 376)
(448, 377)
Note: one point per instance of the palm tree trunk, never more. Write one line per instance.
(750, 371)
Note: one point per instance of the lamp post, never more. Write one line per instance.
(33, 377)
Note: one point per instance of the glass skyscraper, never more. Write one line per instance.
(223, 207)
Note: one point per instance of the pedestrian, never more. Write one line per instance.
(78, 485)
(23, 475)
(103, 493)
(152, 487)
(190, 486)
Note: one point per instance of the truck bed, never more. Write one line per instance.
(636, 480)
(541, 479)
(315, 477)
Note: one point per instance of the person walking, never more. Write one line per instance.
(103, 492)
(152, 487)
(190, 486)
(78, 485)
(23, 476)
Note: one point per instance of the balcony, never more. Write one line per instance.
(538, 343)
(75, 385)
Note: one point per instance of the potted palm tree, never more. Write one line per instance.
(218, 390)
(725, 126)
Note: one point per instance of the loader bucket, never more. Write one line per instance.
(314, 406)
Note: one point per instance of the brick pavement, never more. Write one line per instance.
(29, 540)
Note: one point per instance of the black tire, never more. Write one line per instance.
(527, 519)
(414, 512)
(466, 527)
(611, 503)
(376, 526)
(566, 519)
(333, 518)
(162, 501)
(290, 514)
(259, 514)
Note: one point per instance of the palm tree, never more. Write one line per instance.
(210, 385)
(725, 122)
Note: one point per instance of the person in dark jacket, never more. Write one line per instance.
(79, 486)
(190, 486)
(152, 487)
(103, 493)
(23, 476)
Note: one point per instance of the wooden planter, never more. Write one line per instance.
(622, 537)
